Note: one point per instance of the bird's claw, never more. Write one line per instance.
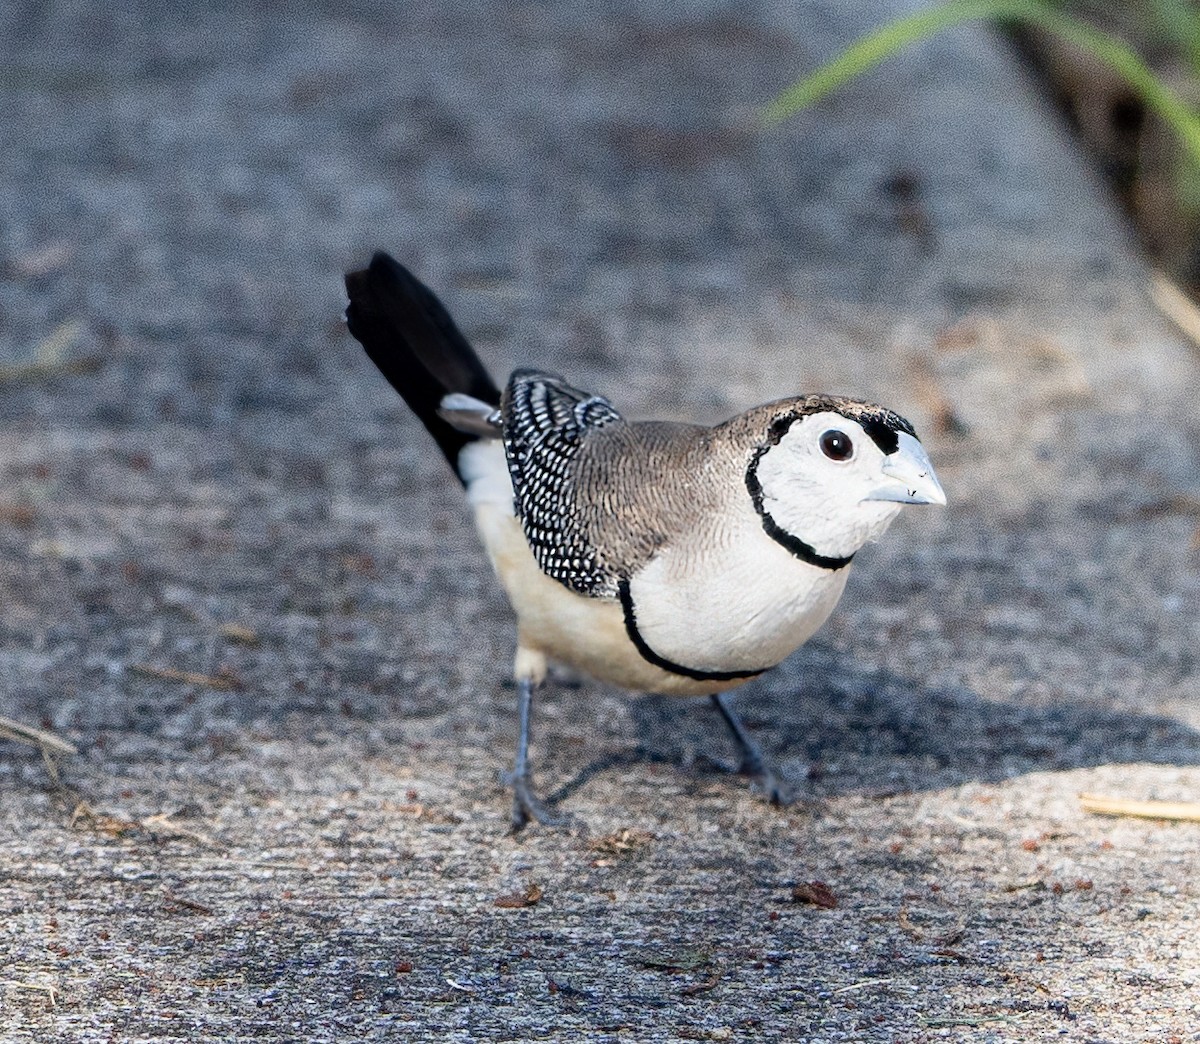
(528, 806)
(764, 782)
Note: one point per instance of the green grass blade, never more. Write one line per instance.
(873, 48)
(870, 50)
(1158, 97)
(1179, 22)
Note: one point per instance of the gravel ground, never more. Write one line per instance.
(237, 577)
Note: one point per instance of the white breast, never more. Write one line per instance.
(740, 602)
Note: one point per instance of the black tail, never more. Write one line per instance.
(414, 342)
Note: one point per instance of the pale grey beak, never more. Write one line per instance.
(909, 476)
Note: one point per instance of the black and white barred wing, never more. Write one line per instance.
(545, 424)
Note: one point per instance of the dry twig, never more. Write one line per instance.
(47, 741)
(1184, 811)
(49, 358)
(530, 896)
(213, 681)
(51, 992)
(187, 904)
(160, 823)
(64, 368)
(239, 633)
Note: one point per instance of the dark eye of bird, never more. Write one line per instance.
(836, 445)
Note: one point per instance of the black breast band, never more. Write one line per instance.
(650, 656)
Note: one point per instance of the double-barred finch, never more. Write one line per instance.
(663, 557)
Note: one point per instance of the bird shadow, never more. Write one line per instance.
(833, 726)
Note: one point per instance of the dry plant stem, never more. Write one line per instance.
(190, 677)
(51, 992)
(48, 742)
(35, 370)
(160, 823)
(163, 823)
(1183, 811)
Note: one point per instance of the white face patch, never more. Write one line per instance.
(815, 483)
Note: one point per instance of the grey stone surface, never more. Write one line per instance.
(316, 852)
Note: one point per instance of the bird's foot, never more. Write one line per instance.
(528, 806)
(764, 781)
(763, 778)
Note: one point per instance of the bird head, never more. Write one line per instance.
(833, 473)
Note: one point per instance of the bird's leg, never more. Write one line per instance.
(753, 763)
(526, 804)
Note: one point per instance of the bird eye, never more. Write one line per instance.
(836, 445)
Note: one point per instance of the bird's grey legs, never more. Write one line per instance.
(526, 804)
(753, 763)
